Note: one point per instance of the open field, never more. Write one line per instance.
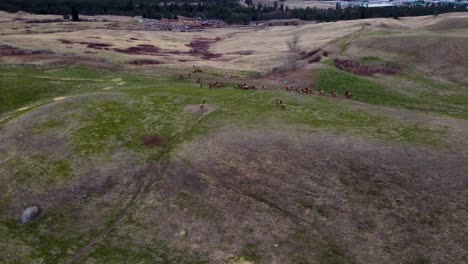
(99, 130)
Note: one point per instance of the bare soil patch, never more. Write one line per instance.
(302, 196)
(142, 49)
(153, 141)
(365, 70)
(94, 45)
(144, 62)
(200, 48)
(7, 50)
(243, 52)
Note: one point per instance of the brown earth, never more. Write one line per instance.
(365, 70)
(357, 200)
(142, 49)
(153, 141)
(200, 48)
(144, 62)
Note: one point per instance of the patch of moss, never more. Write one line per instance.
(333, 255)
(41, 171)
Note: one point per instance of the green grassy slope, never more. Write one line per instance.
(140, 105)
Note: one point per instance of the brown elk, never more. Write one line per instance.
(322, 92)
(196, 69)
(333, 94)
(282, 105)
(348, 94)
(202, 106)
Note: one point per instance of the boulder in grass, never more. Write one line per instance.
(29, 214)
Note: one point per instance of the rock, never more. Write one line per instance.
(29, 214)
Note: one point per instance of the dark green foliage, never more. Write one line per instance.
(74, 14)
(227, 10)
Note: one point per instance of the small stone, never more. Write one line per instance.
(29, 214)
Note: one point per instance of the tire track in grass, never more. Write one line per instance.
(147, 182)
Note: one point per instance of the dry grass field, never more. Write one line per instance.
(298, 3)
(102, 129)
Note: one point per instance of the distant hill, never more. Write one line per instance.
(231, 11)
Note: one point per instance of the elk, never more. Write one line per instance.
(348, 94)
(282, 105)
(333, 94)
(196, 69)
(202, 106)
(322, 92)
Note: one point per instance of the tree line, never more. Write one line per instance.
(228, 10)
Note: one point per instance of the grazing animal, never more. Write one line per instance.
(181, 77)
(322, 92)
(282, 105)
(348, 94)
(196, 69)
(198, 80)
(202, 106)
(277, 102)
(333, 94)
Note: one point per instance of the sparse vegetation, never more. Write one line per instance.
(125, 167)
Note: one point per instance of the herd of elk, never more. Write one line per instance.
(216, 84)
(245, 86)
(296, 90)
(347, 94)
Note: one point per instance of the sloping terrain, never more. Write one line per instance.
(144, 163)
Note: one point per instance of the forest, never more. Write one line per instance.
(228, 10)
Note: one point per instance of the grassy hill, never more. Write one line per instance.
(126, 168)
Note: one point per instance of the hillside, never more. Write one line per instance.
(132, 155)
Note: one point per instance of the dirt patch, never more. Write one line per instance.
(65, 41)
(142, 49)
(314, 191)
(7, 50)
(243, 52)
(153, 141)
(310, 53)
(94, 45)
(200, 48)
(365, 70)
(144, 62)
(315, 58)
